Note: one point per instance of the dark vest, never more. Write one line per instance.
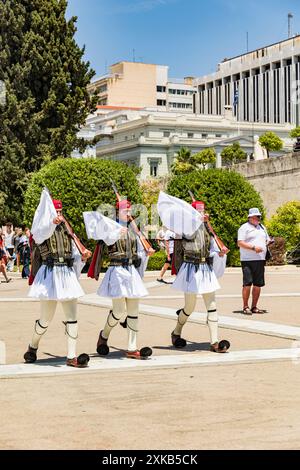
(195, 250)
(58, 246)
(124, 251)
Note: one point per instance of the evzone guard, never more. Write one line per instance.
(128, 252)
(199, 258)
(58, 257)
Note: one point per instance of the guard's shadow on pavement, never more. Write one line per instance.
(52, 360)
(242, 313)
(114, 353)
(190, 347)
(56, 361)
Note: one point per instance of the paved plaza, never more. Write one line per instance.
(179, 399)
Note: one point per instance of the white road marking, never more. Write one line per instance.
(240, 324)
(17, 299)
(184, 360)
(224, 296)
(167, 297)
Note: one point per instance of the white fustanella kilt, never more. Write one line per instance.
(197, 281)
(122, 282)
(58, 283)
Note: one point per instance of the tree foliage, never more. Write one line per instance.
(228, 197)
(46, 99)
(186, 162)
(295, 132)
(233, 154)
(205, 157)
(82, 185)
(271, 142)
(286, 224)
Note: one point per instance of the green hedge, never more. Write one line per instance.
(286, 224)
(156, 261)
(228, 197)
(82, 185)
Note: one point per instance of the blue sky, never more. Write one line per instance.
(191, 36)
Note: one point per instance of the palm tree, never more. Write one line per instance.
(184, 162)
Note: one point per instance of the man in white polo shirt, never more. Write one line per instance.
(253, 241)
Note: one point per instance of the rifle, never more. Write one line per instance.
(85, 253)
(222, 247)
(146, 244)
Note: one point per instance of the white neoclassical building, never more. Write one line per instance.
(151, 139)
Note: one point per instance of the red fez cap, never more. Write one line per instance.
(124, 204)
(198, 205)
(57, 204)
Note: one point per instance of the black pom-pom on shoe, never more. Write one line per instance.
(83, 359)
(224, 345)
(31, 355)
(146, 352)
(103, 350)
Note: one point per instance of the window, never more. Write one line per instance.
(190, 135)
(161, 102)
(161, 89)
(167, 133)
(181, 105)
(153, 169)
(102, 102)
(218, 136)
(102, 89)
(204, 136)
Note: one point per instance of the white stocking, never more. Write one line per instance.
(189, 307)
(212, 316)
(119, 309)
(132, 323)
(47, 313)
(70, 311)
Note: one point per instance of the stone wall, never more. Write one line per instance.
(276, 179)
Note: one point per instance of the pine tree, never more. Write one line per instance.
(46, 99)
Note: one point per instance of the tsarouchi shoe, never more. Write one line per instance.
(221, 347)
(144, 353)
(102, 348)
(177, 341)
(31, 355)
(81, 361)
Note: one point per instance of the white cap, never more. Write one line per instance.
(254, 212)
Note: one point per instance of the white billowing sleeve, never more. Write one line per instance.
(99, 227)
(42, 225)
(219, 262)
(78, 263)
(144, 258)
(178, 216)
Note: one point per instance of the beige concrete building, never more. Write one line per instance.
(262, 84)
(140, 85)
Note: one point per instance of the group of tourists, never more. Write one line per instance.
(14, 248)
